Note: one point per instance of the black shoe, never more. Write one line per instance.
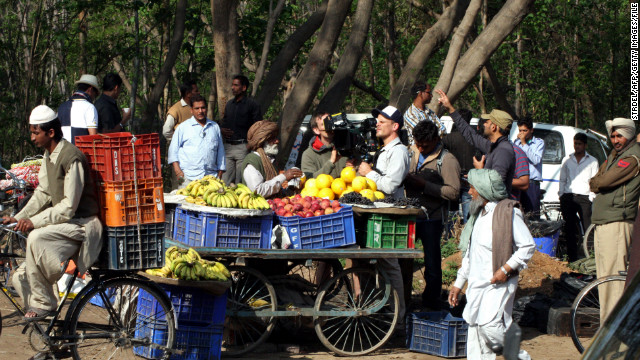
(432, 304)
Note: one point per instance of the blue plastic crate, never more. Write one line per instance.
(192, 306)
(321, 232)
(123, 247)
(437, 333)
(196, 229)
(97, 299)
(197, 342)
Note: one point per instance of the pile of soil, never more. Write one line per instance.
(540, 275)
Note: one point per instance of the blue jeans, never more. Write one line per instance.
(429, 232)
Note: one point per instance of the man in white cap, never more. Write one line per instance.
(61, 217)
(617, 189)
(78, 115)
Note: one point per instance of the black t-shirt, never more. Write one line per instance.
(109, 115)
(240, 115)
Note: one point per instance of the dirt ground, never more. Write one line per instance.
(543, 270)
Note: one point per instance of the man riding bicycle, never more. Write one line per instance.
(62, 217)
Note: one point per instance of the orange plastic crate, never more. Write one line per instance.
(118, 202)
(111, 155)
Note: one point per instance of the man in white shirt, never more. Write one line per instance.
(78, 115)
(496, 244)
(574, 193)
(391, 167)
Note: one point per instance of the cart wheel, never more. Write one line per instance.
(356, 289)
(315, 275)
(249, 291)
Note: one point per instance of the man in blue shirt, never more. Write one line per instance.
(196, 148)
(534, 148)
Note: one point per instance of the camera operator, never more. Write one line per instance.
(391, 167)
(435, 180)
(321, 157)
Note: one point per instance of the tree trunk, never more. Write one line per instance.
(213, 97)
(501, 97)
(342, 79)
(226, 47)
(285, 57)
(273, 16)
(457, 41)
(311, 77)
(502, 24)
(430, 42)
(170, 60)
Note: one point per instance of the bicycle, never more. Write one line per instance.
(585, 310)
(118, 314)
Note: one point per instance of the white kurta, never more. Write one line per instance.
(486, 301)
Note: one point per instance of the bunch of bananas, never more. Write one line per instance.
(211, 191)
(187, 265)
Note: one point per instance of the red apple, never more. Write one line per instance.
(308, 213)
(297, 207)
(315, 207)
(297, 197)
(325, 203)
(286, 201)
(306, 204)
(288, 207)
(335, 203)
(328, 211)
(308, 198)
(288, 214)
(274, 207)
(318, 212)
(281, 211)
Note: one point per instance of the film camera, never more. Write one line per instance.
(351, 140)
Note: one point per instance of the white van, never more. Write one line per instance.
(558, 141)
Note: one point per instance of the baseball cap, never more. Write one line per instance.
(390, 113)
(42, 114)
(501, 118)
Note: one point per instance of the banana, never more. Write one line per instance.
(194, 255)
(245, 202)
(227, 201)
(190, 186)
(177, 269)
(194, 189)
(190, 199)
(223, 269)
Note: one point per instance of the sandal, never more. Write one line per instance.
(41, 314)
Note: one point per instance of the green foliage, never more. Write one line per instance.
(449, 273)
(448, 248)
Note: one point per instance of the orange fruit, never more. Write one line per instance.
(338, 186)
(326, 193)
(324, 181)
(312, 191)
(359, 183)
(371, 184)
(311, 183)
(379, 195)
(348, 174)
(368, 193)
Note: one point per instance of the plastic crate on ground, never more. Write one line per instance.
(437, 333)
(197, 342)
(197, 229)
(192, 306)
(321, 232)
(123, 247)
(118, 202)
(97, 299)
(111, 155)
(391, 231)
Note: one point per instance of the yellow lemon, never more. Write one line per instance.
(359, 183)
(324, 181)
(312, 191)
(348, 174)
(338, 186)
(326, 193)
(371, 184)
(311, 183)
(347, 190)
(368, 193)
(379, 195)
(304, 192)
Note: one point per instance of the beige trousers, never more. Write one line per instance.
(47, 248)
(233, 156)
(612, 253)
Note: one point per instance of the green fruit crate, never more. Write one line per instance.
(391, 231)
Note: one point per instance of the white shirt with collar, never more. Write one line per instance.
(393, 163)
(574, 176)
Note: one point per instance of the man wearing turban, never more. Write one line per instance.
(258, 172)
(491, 262)
(617, 188)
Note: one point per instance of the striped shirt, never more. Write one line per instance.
(414, 115)
(77, 115)
(521, 169)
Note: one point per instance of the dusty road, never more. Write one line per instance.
(14, 345)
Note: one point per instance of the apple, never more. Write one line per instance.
(281, 211)
(297, 207)
(297, 198)
(288, 207)
(308, 213)
(274, 207)
(306, 204)
(325, 203)
(287, 214)
(335, 203)
(315, 206)
(328, 211)
(286, 201)
(308, 198)
(318, 212)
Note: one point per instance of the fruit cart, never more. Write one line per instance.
(354, 312)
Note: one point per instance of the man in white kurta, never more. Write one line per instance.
(490, 294)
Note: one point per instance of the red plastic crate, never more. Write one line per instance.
(111, 155)
(118, 202)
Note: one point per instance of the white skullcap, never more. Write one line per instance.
(42, 114)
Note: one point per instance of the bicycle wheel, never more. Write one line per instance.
(121, 319)
(315, 275)
(250, 291)
(585, 312)
(588, 245)
(356, 289)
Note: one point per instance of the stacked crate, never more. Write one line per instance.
(126, 169)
